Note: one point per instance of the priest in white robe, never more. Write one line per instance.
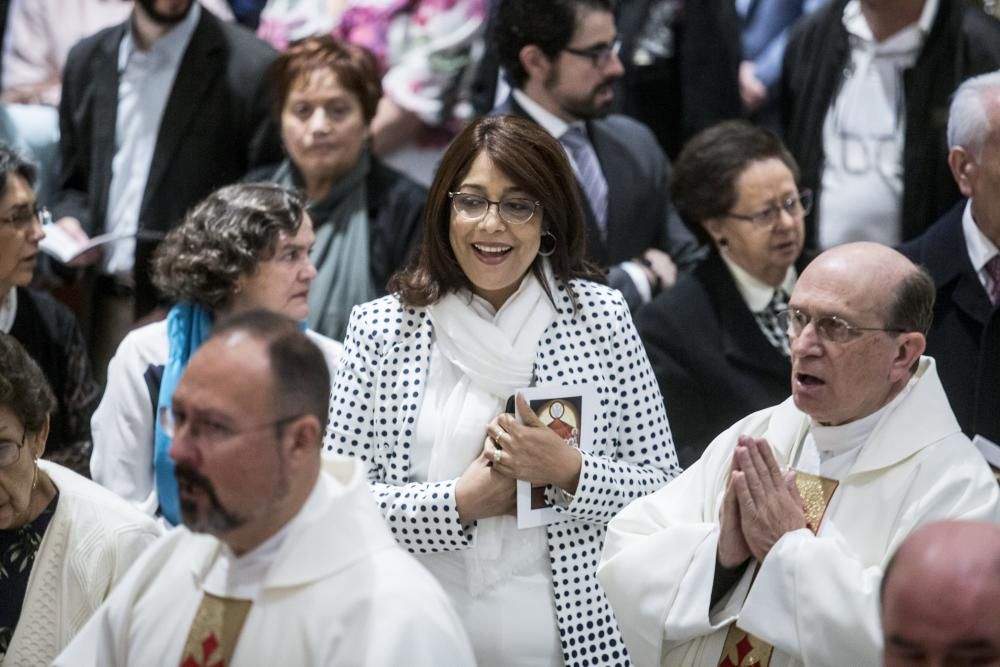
(771, 547)
(278, 562)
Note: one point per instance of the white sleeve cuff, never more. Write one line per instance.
(638, 277)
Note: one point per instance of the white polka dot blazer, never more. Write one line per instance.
(377, 394)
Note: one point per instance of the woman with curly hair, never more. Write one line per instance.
(245, 247)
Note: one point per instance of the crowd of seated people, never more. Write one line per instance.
(324, 257)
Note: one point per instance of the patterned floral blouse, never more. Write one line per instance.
(17, 555)
(423, 47)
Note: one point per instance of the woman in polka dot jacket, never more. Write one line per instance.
(499, 298)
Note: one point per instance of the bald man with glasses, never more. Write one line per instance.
(771, 547)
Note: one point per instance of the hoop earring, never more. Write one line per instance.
(551, 250)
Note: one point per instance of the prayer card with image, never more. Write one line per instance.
(569, 410)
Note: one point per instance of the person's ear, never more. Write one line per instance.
(303, 434)
(910, 346)
(963, 169)
(535, 62)
(715, 227)
(40, 439)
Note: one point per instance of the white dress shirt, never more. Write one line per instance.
(146, 77)
(981, 250)
(756, 293)
(864, 134)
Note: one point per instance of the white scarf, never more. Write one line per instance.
(496, 358)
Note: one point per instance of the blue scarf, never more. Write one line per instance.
(188, 326)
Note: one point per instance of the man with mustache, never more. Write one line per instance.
(281, 560)
(561, 59)
(769, 550)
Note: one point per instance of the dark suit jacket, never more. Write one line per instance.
(711, 360)
(640, 215)
(965, 336)
(963, 42)
(216, 126)
(692, 81)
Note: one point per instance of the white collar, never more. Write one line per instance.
(856, 25)
(8, 311)
(242, 577)
(836, 440)
(552, 123)
(980, 248)
(833, 451)
(170, 46)
(756, 293)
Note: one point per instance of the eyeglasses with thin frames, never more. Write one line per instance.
(208, 431)
(10, 451)
(28, 216)
(599, 55)
(512, 210)
(793, 205)
(829, 327)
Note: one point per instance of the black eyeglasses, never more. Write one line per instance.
(10, 451)
(794, 205)
(599, 55)
(27, 216)
(473, 208)
(829, 327)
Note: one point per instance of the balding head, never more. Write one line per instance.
(887, 302)
(941, 596)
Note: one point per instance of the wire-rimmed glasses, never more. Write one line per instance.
(473, 208)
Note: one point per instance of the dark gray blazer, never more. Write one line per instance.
(965, 335)
(640, 215)
(217, 125)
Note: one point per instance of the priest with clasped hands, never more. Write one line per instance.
(770, 549)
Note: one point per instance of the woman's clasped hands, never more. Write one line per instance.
(528, 451)
(531, 451)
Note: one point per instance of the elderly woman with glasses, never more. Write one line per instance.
(64, 541)
(44, 326)
(501, 298)
(715, 339)
(244, 247)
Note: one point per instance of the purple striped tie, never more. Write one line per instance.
(993, 268)
(589, 172)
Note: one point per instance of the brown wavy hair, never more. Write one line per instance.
(223, 237)
(535, 162)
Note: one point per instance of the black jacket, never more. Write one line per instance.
(51, 335)
(965, 335)
(963, 42)
(711, 360)
(216, 126)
